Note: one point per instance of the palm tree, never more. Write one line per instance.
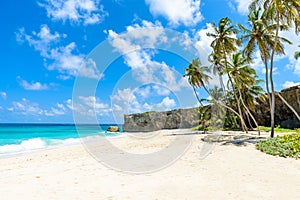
(242, 75)
(260, 35)
(218, 69)
(223, 44)
(253, 93)
(197, 76)
(283, 13)
(224, 40)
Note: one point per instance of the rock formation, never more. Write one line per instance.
(113, 129)
(187, 118)
(283, 115)
(153, 121)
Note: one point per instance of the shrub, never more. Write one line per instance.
(285, 146)
(277, 129)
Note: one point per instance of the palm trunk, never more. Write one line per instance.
(289, 106)
(197, 96)
(271, 79)
(244, 127)
(223, 86)
(248, 111)
(248, 118)
(267, 82)
(225, 93)
(222, 104)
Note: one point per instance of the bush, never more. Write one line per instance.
(277, 129)
(284, 146)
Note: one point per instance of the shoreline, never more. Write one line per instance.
(80, 142)
(230, 171)
(58, 143)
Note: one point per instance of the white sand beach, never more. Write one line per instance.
(230, 171)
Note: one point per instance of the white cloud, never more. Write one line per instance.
(152, 90)
(3, 95)
(144, 92)
(92, 102)
(125, 101)
(28, 108)
(60, 58)
(288, 84)
(144, 68)
(166, 103)
(69, 104)
(76, 11)
(33, 85)
(290, 50)
(25, 107)
(89, 106)
(133, 101)
(177, 12)
(149, 34)
(41, 41)
(242, 6)
(64, 60)
(89, 69)
(59, 109)
(203, 43)
(161, 91)
(126, 96)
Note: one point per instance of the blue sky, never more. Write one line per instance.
(44, 43)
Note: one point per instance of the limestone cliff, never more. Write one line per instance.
(187, 118)
(283, 115)
(152, 121)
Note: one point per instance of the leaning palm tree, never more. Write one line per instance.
(241, 75)
(224, 41)
(223, 45)
(260, 35)
(218, 69)
(284, 13)
(253, 93)
(197, 76)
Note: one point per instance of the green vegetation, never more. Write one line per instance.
(284, 146)
(200, 128)
(277, 129)
(233, 49)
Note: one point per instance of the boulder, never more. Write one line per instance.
(113, 129)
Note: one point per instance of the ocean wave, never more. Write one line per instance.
(37, 144)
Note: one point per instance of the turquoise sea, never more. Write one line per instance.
(22, 138)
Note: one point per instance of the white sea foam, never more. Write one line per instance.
(36, 144)
(32, 144)
(26, 145)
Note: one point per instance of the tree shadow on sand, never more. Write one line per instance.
(185, 134)
(237, 140)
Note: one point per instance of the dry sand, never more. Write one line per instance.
(232, 170)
